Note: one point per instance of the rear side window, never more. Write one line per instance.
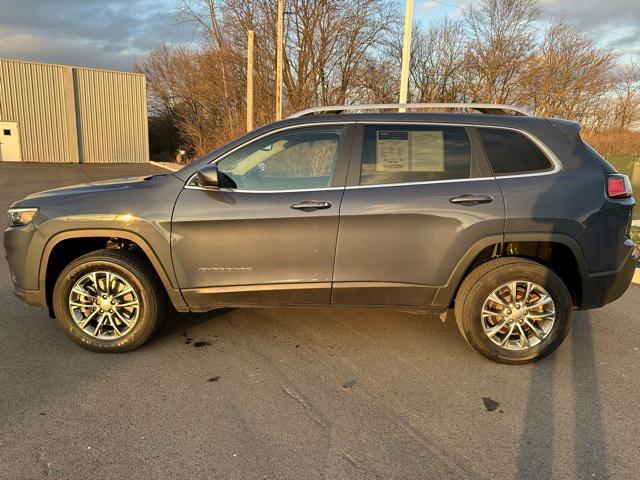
(414, 153)
(511, 152)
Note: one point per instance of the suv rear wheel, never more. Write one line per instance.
(514, 310)
(108, 301)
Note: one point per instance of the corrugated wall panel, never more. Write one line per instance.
(34, 95)
(112, 113)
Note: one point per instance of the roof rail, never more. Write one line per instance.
(481, 107)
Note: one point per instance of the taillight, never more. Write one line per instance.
(619, 186)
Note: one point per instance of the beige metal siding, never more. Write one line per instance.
(34, 96)
(112, 116)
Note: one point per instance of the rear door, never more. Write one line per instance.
(418, 197)
(268, 235)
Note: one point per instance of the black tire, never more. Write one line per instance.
(482, 281)
(137, 273)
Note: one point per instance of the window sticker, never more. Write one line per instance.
(392, 151)
(427, 151)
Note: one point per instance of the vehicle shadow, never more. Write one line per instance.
(537, 442)
(176, 323)
(540, 434)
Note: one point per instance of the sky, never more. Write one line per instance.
(114, 34)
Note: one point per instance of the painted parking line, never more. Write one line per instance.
(173, 167)
(636, 277)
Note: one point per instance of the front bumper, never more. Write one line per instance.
(35, 298)
(24, 263)
(600, 289)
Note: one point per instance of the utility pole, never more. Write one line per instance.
(279, 54)
(249, 80)
(406, 52)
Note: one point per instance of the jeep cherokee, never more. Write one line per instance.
(511, 220)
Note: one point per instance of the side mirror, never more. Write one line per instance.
(207, 176)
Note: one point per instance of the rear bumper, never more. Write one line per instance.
(600, 289)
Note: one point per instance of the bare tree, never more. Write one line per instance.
(627, 97)
(438, 62)
(501, 45)
(569, 75)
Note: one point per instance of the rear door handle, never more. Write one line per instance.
(311, 205)
(470, 199)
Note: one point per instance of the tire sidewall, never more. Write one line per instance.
(144, 325)
(524, 271)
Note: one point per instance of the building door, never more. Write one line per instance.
(9, 142)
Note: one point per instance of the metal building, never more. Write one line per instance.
(55, 113)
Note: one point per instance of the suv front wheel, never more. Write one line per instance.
(108, 301)
(514, 310)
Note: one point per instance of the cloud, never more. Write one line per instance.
(108, 34)
(614, 23)
(422, 7)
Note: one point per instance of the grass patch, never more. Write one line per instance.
(635, 236)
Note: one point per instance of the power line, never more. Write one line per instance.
(620, 35)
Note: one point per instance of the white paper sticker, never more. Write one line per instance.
(427, 151)
(392, 152)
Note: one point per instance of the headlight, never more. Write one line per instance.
(19, 217)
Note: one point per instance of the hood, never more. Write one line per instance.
(92, 187)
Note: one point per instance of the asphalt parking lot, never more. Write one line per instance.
(309, 393)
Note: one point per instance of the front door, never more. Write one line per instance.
(417, 199)
(267, 236)
(9, 142)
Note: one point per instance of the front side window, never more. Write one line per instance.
(511, 152)
(301, 159)
(414, 153)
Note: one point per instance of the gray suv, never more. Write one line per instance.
(511, 220)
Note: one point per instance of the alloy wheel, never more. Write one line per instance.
(518, 315)
(104, 305)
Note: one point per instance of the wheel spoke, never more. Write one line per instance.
(114, 326)
(107, 282)
(125, 320)
(88, 319)
(541, 315)
(99, 325)
(81, 291)
(128, 304)
(506, 339)
(527, 293)
(80, 304)
(495, 299)
(94, 280)
(543, 300)
(536, 331)
(523, 336)
(513, 290)
(124, 291)
(497, 328)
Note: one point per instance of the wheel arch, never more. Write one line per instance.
(557, 251)
(55, 257)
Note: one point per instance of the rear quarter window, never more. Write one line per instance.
(511, 152)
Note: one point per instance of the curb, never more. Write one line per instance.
(166, 165)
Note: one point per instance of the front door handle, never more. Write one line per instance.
(311, 205)
(470, 199)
